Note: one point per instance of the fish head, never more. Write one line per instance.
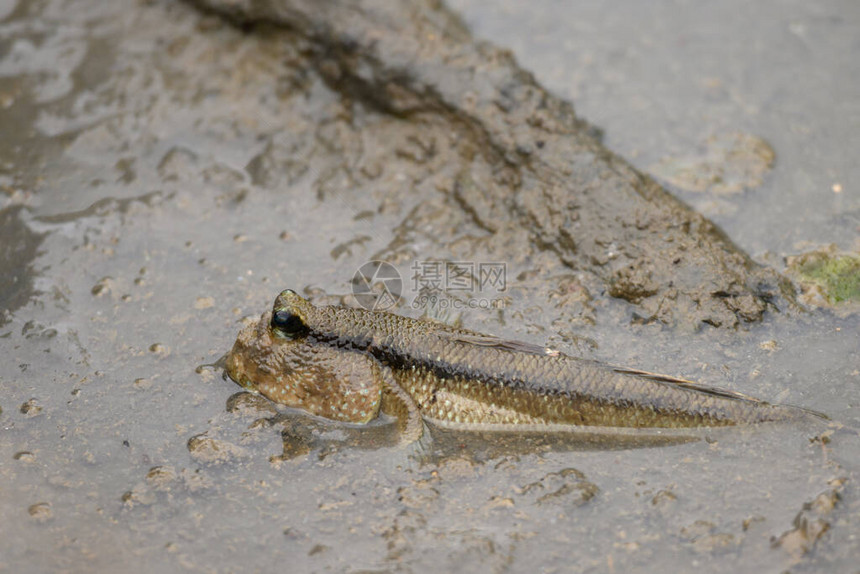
(275, 357)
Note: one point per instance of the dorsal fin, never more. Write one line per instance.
(480, 340)
(717, 392)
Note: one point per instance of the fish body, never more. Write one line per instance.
(348, 364)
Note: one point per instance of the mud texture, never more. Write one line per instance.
(526, 160)
(164, 174)
(729, 163)
(17, 251)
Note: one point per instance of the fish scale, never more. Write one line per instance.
(492, 381)
(348, 364)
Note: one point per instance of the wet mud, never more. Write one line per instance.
(530, 174)
(165, 171)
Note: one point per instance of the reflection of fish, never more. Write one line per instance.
(346, 364)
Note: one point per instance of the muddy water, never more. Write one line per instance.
(164, 175)
(661, 79)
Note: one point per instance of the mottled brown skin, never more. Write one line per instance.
(344, 364)
(337, 384)
(331, 382)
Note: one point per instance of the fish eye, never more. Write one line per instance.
(287, 322)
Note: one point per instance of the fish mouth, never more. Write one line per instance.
(252, 345)
(237, 369)
(234, 366)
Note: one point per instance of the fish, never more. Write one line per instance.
(350, 364)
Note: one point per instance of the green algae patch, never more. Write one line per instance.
(827, 274)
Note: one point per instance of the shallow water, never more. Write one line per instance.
(661, 78)
(138, 231)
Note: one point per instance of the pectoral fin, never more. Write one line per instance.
(399, 403)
